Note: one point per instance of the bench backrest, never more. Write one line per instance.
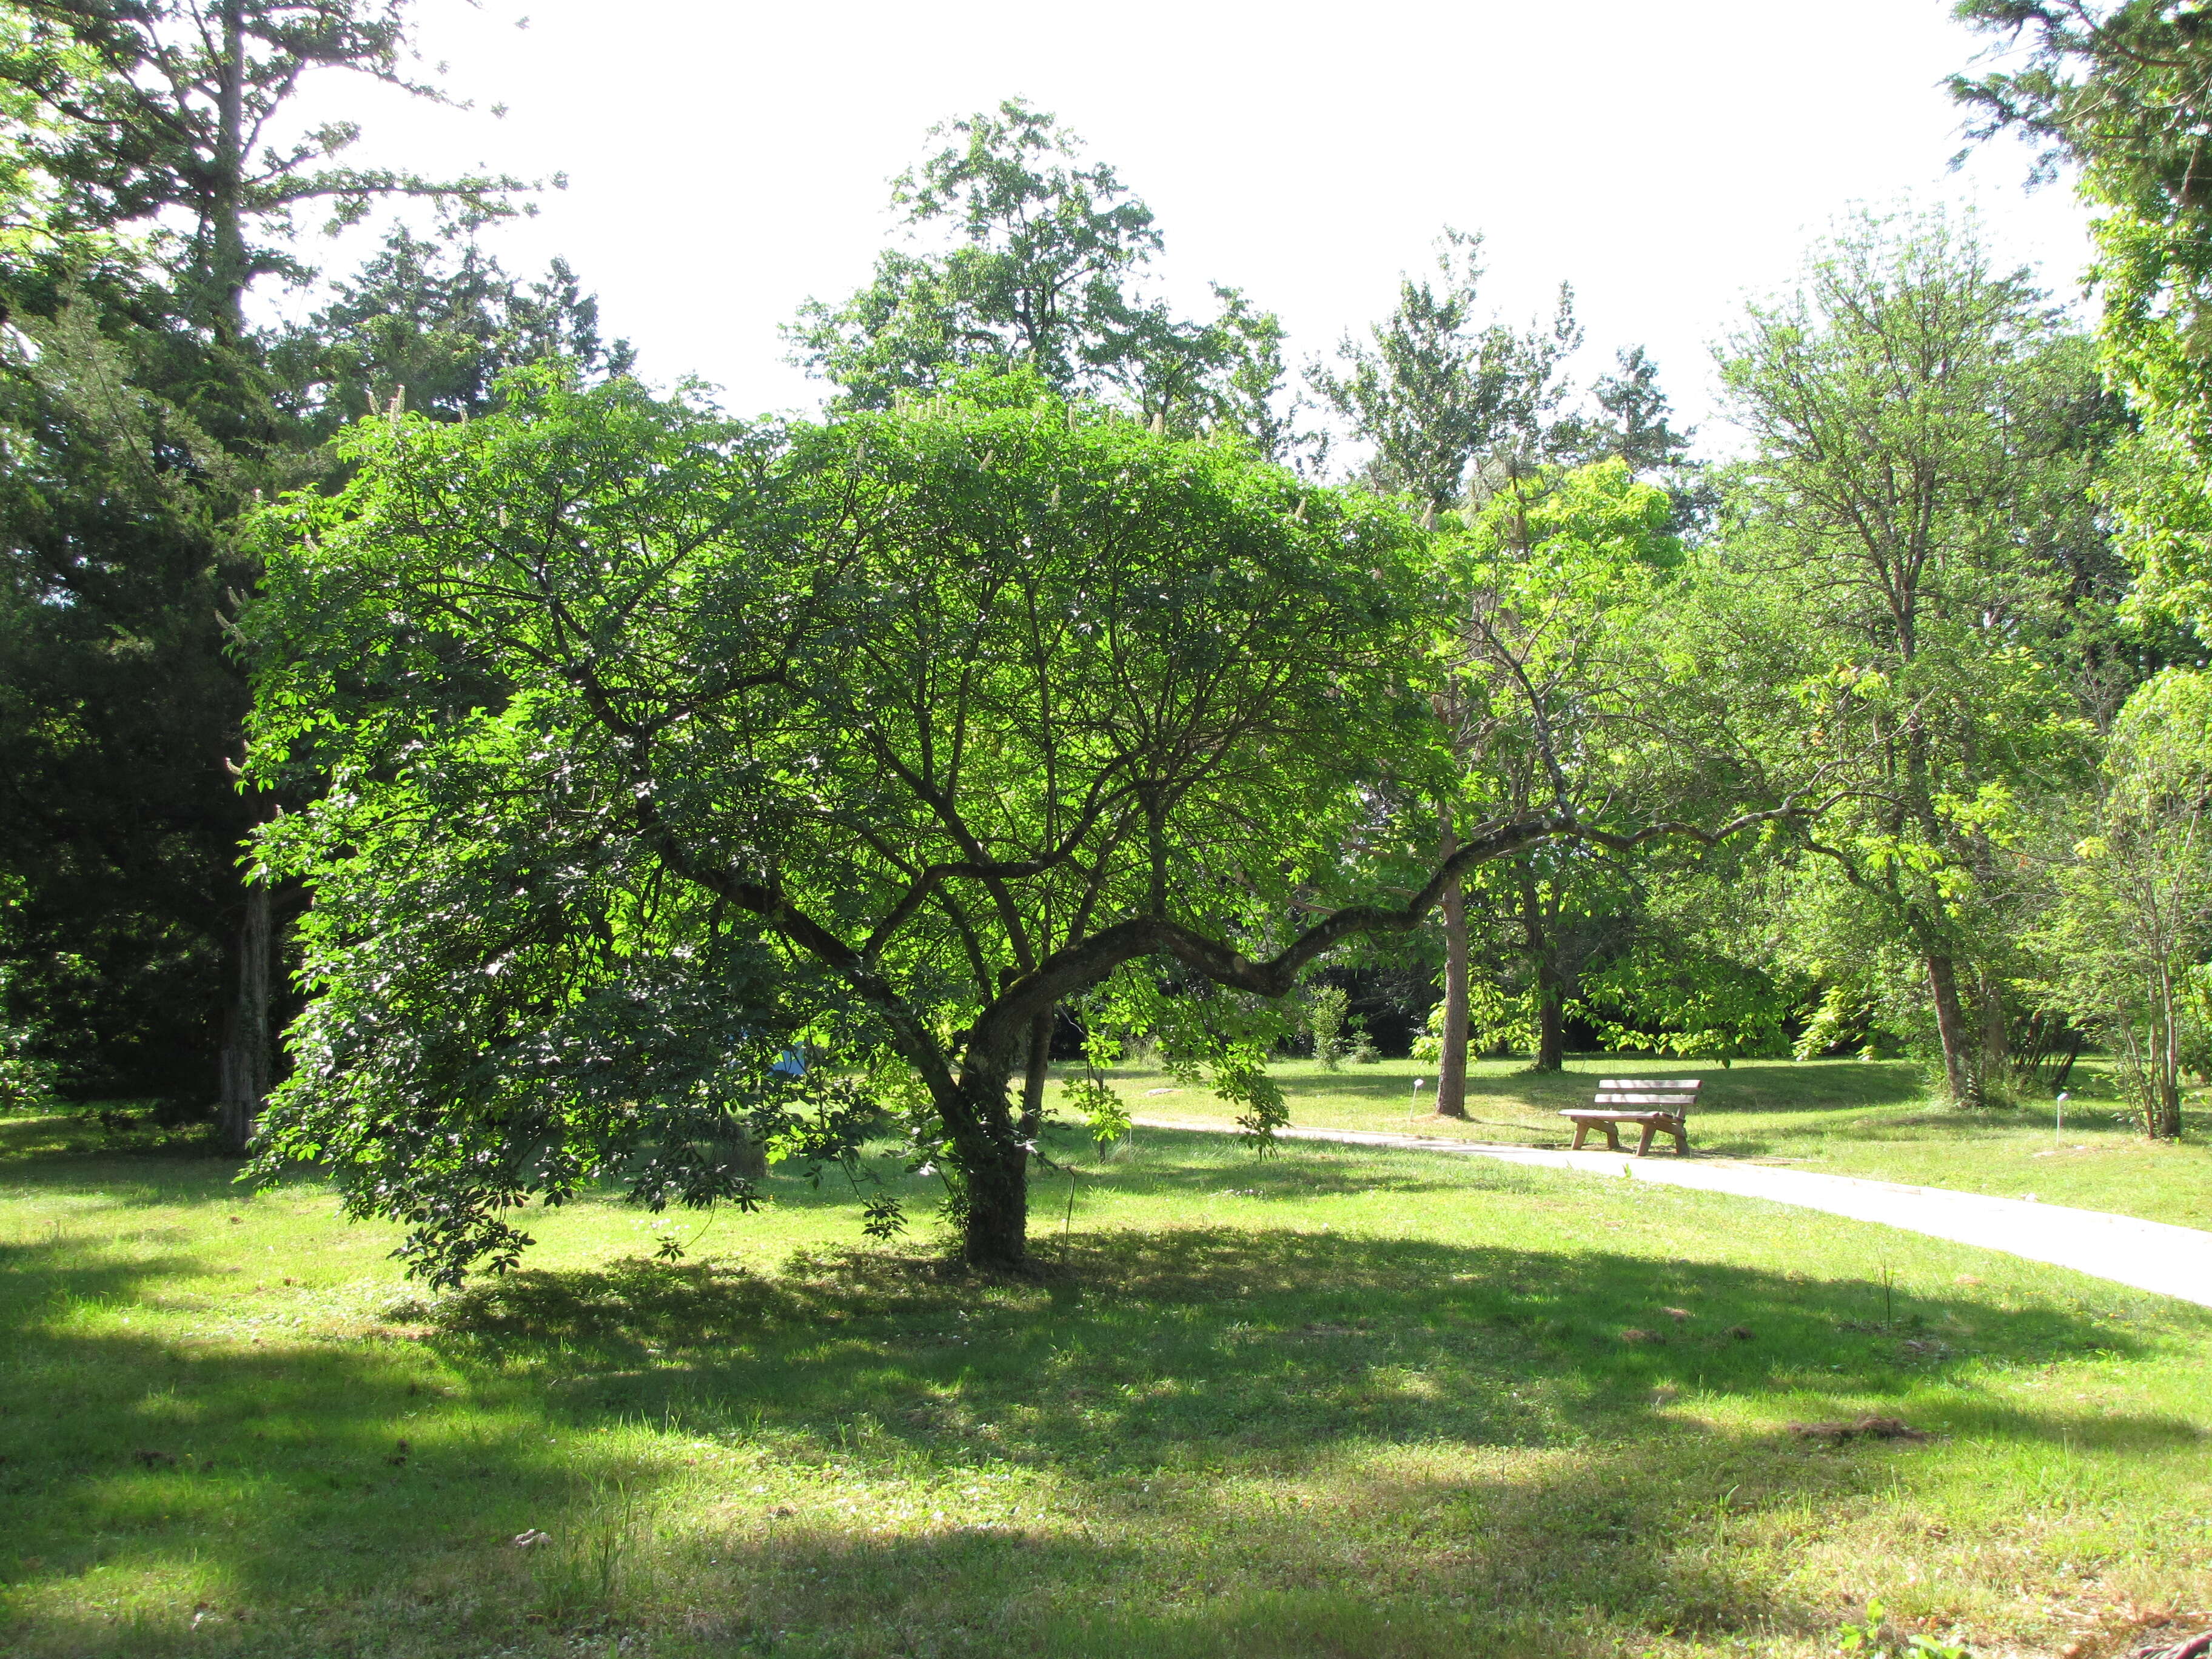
(1649, 1094)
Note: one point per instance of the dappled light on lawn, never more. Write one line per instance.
(1332, 1401)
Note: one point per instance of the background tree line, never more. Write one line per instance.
(153, 184)
(1926, 647)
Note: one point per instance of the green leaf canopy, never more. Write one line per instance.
(654, 738)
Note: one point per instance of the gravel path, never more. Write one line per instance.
(2151, 1256)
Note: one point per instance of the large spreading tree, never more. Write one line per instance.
(912, 726)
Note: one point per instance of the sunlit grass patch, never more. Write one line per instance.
(1874, 1119)
(1330, 1401)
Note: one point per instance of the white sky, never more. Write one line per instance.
(726, 160)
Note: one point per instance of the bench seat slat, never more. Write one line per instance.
(1659, 1105)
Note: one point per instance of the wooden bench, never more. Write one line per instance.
(1659, 1104)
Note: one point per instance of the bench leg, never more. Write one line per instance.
(1612, 1137)
(1582, 1133)
(1643, 1141)
(1680, 1131)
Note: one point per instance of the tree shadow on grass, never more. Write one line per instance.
(161, 1494)
(65, 1151)
(1244, 1440)
(1196, 1164)
(1145, 1340)
(1391, 1440)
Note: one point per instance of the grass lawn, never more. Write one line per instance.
(1340, 1402)
(1872, 1118)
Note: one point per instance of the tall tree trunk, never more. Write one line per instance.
(225, 210)
(1551, 1053)
(1551, 1019)
(1951, 1029)
(248, 1052)
(1035, 1072)
(1996, 1036)
(1451, 1061)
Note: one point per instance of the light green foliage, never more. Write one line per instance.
(1327, 1007)
(2133, 926)
(2155, 281)
(1434, 389)
(1198, 1033)
(1839, 1018)
(1544, 658)
(27, 228)
(1875, 1639)
(1496, 1019)
(1893, 614)
(2120, 90)
(27, 1078)
(911, 725)
(1105, 1115)
(1695, 1003)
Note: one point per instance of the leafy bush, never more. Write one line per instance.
(1327, 1009)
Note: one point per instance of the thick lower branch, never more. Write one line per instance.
(1069, 971)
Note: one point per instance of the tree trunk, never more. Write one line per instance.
(1997, 1037)
(248, 1052)
(748, 1157)
(1451, 1059)
(1035, 1073)
(1951, 1029)
(226, 209)
(2166, 1103)
(994, 1236)
(1551, 1053)
(2168, 1126)
(2066, 1066)
(1551, 1021)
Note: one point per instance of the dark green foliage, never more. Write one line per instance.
(139, 414)
(1435, 390)
(435, 328)
(2121, 90)
(117, 823)
(161, 108)
(1634, 421)
(1039, 274)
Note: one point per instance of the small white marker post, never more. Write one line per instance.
(1415, 1111)
(2058, 1123)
